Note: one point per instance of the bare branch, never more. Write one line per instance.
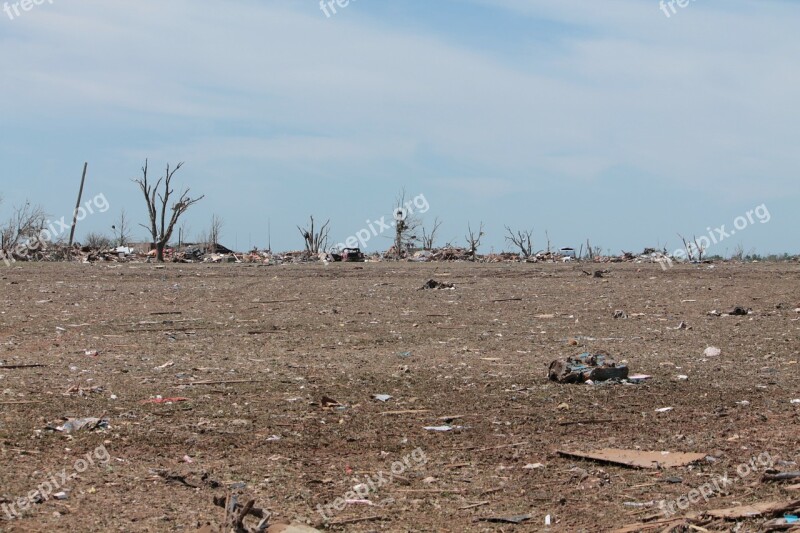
(428, 239)
(688, 246)
(315, 240)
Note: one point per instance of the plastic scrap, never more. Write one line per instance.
(74, 425)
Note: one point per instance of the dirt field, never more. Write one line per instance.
(272, 346)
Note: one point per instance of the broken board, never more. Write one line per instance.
(755, 509)
(638, 458)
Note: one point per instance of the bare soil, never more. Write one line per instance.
(271, 346)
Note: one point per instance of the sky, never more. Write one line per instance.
(625, 122)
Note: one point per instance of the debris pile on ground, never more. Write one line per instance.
(433, 284)
(585, 368)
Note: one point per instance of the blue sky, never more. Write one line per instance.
(601, 120)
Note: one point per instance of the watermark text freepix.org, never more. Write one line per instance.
(717, 235)
(419, 204)
(715, 486)
(55, 229)
(326, 5)
(668, 6)
(371, 484)
(14, 10)
(54, 482)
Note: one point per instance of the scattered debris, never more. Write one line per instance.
(780, 476)
(235, 514)
(442, 428)
(159, 399)
(73, 425)
(712, 351)
(638, 458)
(639, 505)
(433, 284)
(506, 519)
(327, 402)
(586, 366)
(619, 313)
(734, 311)
(596, 273)
(381, 397)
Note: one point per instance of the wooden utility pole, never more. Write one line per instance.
(77, 207)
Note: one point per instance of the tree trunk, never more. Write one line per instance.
(160, 252)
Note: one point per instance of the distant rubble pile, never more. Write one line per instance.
(202, 253)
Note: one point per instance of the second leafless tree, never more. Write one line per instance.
(214, 232)
(405, 225)
(316, 240)
(158, 204)
(122, 230)
(473, 239)
(25, 229)
(429, 238)
(522, 239)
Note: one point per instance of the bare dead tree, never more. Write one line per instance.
(474, 240)
(521, 239)
(24, 229)
(688, 246)
(97, 241)
(428, 238)
(158, 204)
(183, 231)
(316, 240)
(122, 230)
(405, 224)
(700, 250)
(547, 236)
(214, 232)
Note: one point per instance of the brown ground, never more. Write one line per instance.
(300, 333)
